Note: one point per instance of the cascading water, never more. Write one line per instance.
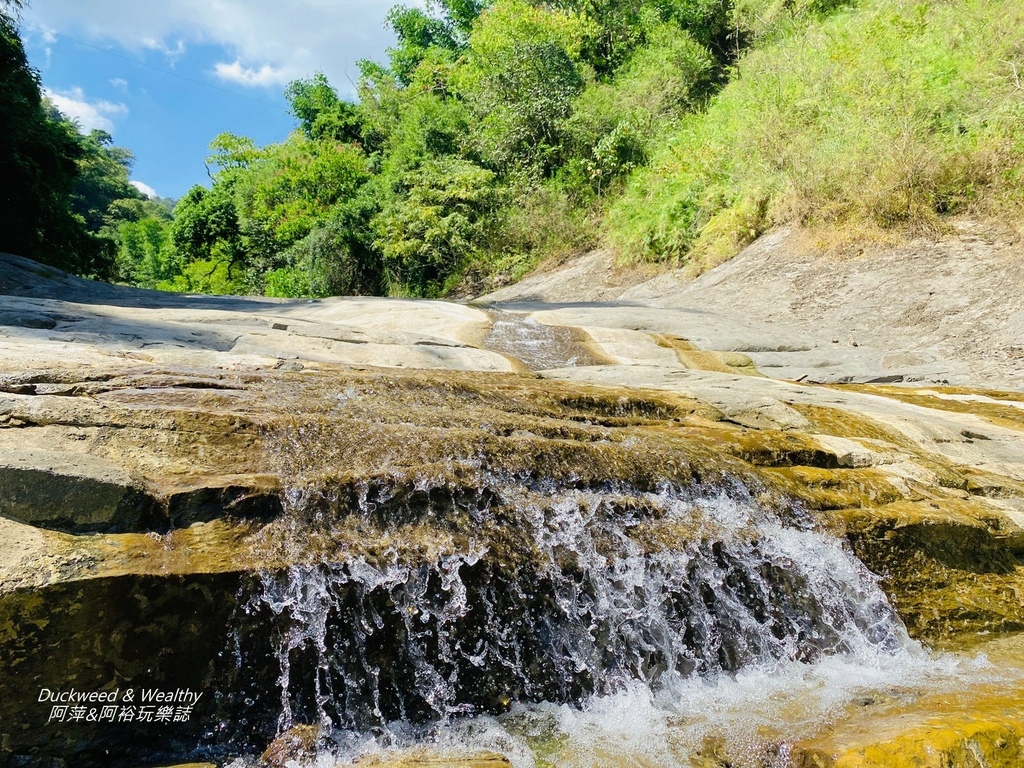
(598, 607)
(536, 345)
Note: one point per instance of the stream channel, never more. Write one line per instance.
(535, 578)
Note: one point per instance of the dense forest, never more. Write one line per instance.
(501, 133)
(64, 194)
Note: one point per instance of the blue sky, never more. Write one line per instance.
(166, 76)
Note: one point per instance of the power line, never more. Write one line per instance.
(167, 72)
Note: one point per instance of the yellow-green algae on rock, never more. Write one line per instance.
(943, 535)
(423, 758)
(977, 725)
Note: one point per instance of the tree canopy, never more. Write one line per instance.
(495, 133)
(63, 193)
(492, 134)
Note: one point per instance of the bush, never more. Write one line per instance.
(331, 260)
(889, 115)
(541, 222)
(440, 222)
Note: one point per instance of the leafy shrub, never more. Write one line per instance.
(441, 220)
(331, 260)
(892, 114)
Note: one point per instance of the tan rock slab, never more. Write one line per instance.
(47, 488)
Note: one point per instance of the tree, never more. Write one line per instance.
(57, 187)
(10, 8)
(460, 14)
(233, 153)
(38, 166)
(336, 258)
(145, 255)
(441, 221)
(205, 226)
(320, 112)
(205, 254)
(623, 26)
(496, 129)
(274, 213)
(103, 178)
(619, 27)
(418, 33)
(521, 74)
(294, 187)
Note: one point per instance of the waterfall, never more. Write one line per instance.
(589, 599)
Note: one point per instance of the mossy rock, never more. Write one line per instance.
(252, 475)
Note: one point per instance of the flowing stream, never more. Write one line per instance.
(637, 629)
(536, 345)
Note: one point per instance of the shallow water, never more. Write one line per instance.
(538, 346)
(723, 630)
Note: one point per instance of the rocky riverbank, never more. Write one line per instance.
(935, 309)
(165, 461)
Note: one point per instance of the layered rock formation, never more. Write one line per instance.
(170, 467)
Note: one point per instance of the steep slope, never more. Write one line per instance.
(937, 310)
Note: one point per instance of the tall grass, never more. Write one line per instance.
(887, 115)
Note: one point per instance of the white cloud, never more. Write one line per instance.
(88, 114)
(267, 42)
(173, 53)
(120, 83)
(144, 188)
(264, 76)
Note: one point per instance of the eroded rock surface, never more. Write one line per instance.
(169, 465)
(939, 309)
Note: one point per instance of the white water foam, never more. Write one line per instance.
(750, 627)
(756, 714)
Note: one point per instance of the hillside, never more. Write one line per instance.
(946, 309)
(498, 136)
(883, 119)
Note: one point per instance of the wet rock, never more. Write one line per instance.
(950, 566)
(427, 759)
(109, 635)
(296, 745)
(70, 491)
(980, 724)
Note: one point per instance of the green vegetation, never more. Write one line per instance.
(500, 133)
(64, 194)
(493, 137)
(37, 163)
(889, 114)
